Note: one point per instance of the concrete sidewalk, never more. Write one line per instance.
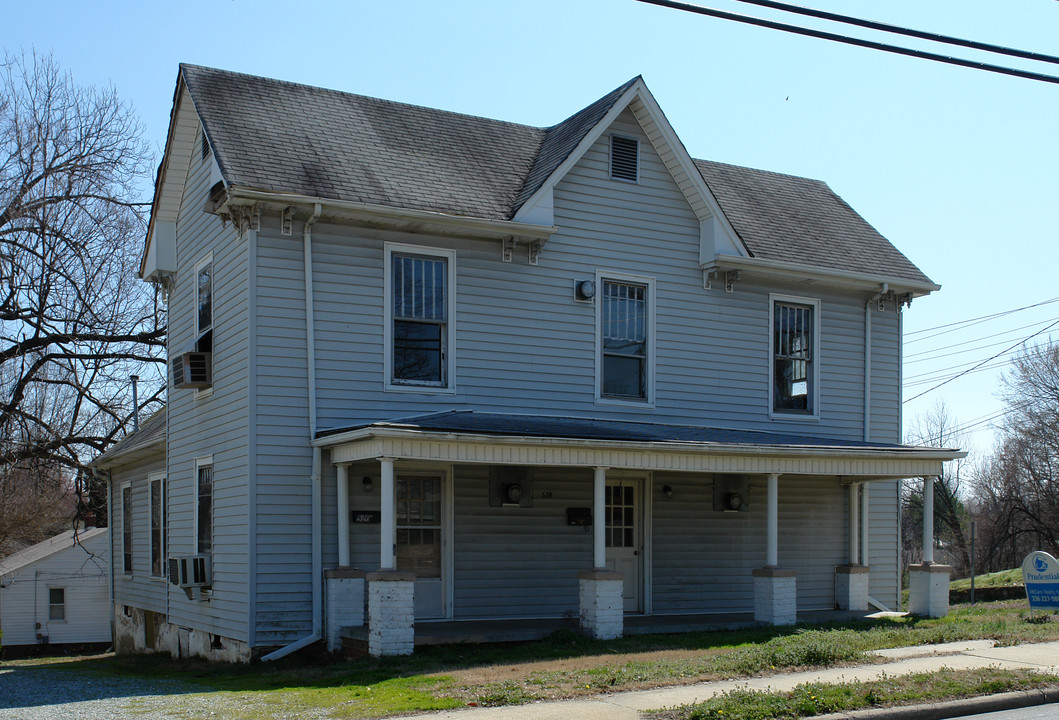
(900, 661)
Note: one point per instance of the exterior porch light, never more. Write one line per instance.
(667, 492)
(366, 480)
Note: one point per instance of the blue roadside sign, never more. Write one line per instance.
(1040, 572)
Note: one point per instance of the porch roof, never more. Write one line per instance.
(477, 437)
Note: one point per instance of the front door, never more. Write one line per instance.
(420, 537)
(624, 537)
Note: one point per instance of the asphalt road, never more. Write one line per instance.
(1041, 712)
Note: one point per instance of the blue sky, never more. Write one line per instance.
(958, 168)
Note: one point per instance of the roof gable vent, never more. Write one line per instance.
(204, 145)
(624, 158)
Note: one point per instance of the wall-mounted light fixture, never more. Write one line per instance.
(584, 290)
(367, 483)
(667, 492)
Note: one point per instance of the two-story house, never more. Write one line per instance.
(435, 367)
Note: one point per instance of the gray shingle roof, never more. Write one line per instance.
(479, 423)
(284, 137)
(151, 433)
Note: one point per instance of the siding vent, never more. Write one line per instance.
(624, 158)
(205, 145)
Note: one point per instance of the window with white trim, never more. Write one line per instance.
(204, 507)
(56, 603)
(794, 347)
(204, 305)
(126, 528)
(624, 339)
(419, 322)
(157, 490)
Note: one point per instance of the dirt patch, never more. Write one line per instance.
(520, 672)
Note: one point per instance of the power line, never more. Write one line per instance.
(908, 32)
(976, 320)
(933, 353)
(870, 44)
(994, 357)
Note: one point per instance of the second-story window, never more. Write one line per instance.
(126, 528)
(794, 345)
(420, 317)
(624, 340)
(204, 305)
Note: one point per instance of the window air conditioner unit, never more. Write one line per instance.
(192, 370)
(190, 572)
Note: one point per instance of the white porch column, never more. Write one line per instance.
(854, 524)
(599, 520)
(928, 584)
(865, 523)
(387, 527)
(772, 520)
(343, 515)
(928, 520)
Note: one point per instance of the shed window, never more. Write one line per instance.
(56, 603)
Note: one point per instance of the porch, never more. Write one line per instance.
(610, 527)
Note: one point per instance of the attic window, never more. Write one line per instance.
(205, 145)
(624, 158)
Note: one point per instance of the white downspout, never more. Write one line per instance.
(867, 359)
(317, 494)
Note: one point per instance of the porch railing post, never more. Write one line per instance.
(387, 527)
(342, 483)
(599, 520)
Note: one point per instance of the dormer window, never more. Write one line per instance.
(624, 158)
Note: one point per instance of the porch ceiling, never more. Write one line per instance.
(471, 437)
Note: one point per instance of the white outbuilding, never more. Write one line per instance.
(57, 591)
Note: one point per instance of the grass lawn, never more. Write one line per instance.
(1004, 578)
(562, 666)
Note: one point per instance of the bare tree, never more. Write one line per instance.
(938, 428)
(1019, 489)
(74, 322)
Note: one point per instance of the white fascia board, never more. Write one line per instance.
(407, 437)
(130, 456)
(169, 184)
(393, 217)
(536, 206)
(722, 229)
(836, 278)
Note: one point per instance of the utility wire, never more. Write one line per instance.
(870, 44)
(972, 321)
(936, 353)
(994, 357)
(927, 378)
(908, 32)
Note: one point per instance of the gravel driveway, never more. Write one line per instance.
(30, 692)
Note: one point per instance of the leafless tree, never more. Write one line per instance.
(938, 428)
(74, 321)
(1019, 489)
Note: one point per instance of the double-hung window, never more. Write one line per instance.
(126, 528)
(204, 508)
(204, 305)
(795, 346)
(56, 603)
(419, 323)
(625, 342)
(157, 489)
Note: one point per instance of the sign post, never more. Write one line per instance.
(1040, 572)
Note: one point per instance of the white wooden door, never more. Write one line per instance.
(624, 537)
